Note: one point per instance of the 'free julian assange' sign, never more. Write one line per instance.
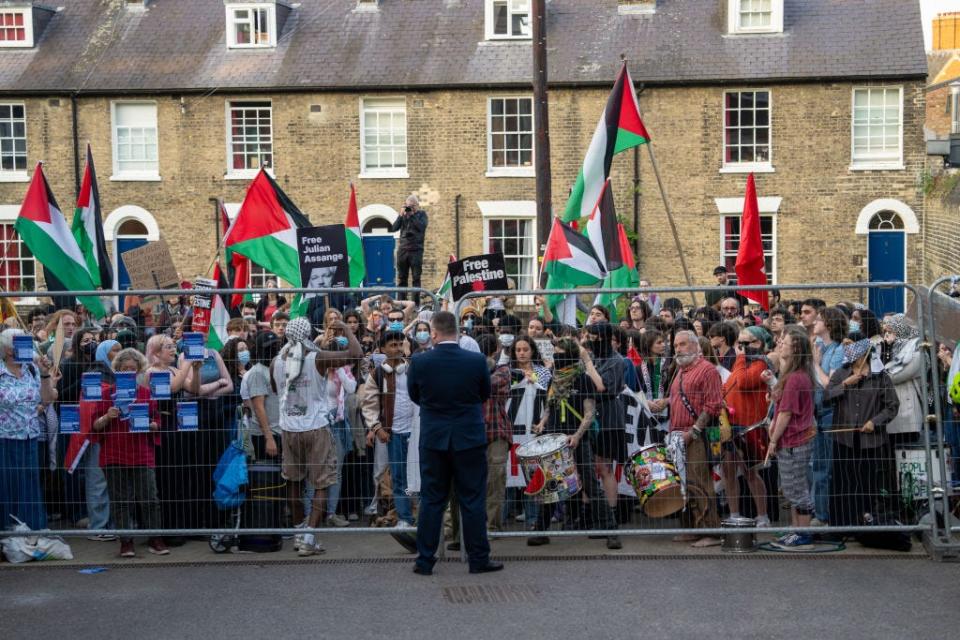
(323, 257)
(477, 273)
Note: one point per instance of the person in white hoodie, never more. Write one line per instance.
(905, 368)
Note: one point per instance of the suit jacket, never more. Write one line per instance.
(450, 386)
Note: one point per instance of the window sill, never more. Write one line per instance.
(14, 176)
(507, 39)
(877, 166)
(761, 167)
(251, 46)
(511, 173)
(384, 175)
(131, 177)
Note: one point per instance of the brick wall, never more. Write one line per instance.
(316, 155)
(938, 116)
(942, 207)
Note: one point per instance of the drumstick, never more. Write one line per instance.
(842, 430)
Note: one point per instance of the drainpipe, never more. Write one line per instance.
(76, 145)
(456, 223)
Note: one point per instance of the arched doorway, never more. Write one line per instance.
(125, 229)
(886, 223)
(379, 244)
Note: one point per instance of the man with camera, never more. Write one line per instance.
(412, 225)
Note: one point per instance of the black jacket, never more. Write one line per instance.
(413, 230)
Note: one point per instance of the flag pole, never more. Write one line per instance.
(541, 143)
(673, 224)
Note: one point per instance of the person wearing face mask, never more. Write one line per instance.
(695, 401)
(421, 336)
(468, 319)
(610, 446)
(506, 338)
(745, 394)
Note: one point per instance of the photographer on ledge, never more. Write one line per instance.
(412, 225)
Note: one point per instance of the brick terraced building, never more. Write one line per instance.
(183, 101)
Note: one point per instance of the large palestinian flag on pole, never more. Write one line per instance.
(619, 129)
(570, 259)
(88, 228)
(265, 230)
(358, 264)
(44, 230)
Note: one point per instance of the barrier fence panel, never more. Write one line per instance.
(945, 537)
(176, 449)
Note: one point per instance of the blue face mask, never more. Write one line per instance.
(342, 342)
(423, 337)
(244, 357)
(395, 326)
(854, 326)
(468, 323)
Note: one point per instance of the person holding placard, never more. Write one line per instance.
(127, 454)
(23, 386)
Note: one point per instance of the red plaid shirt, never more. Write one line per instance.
(495, 408)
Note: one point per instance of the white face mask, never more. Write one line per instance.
(506, 340)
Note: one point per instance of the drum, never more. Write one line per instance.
(753, 445)
(655, 481)
(738, 541)
(549, 468)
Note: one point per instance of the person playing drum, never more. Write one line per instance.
(745, 394)
(570, 410)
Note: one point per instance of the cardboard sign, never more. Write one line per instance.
(69, 418)
(160, 385)
(151, 266)
(188, 416)
(487, 272)
(323, 257)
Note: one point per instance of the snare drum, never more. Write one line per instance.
(753, 443)
(655, 480)
(549, 468)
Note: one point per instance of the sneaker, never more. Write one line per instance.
(794, 542)
(298, 538)
(353, 517)
(337, 520)
(103, 537)
(157, 547)
(613, 542)
(403, 524)
(520, 517)
(127, 550)
(763, 523)
(310, 546)
(816, 522)
(371, 509)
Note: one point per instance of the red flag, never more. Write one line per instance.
(239, 265)
(751, 264)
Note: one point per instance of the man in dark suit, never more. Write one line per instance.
(450, 385)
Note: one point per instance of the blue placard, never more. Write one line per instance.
(23, 349)
(188, 418)
(69, 418)
(139, 417)
(160, 385)
(126, 385)
(90, 383)
(193, 346)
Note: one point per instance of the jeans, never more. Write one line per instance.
(20, 492)
(397, 449)
(95, 484)
(409, 263)
(344, 441)
(133, 489)
(821, 468)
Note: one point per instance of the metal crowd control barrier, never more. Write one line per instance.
(939, 536)
(944, 537)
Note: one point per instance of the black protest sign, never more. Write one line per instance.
(323, 257)
(477, 273)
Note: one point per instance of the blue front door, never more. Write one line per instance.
(123, 278)
(378, 253)
(886, 263)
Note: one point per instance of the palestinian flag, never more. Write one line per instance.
(602, 230)
(619, 129)
(219, 315)
(265, 230)
(358, 266)
(88, 228)
(44, 230)
(623, 278)
(238, 269)
(569, 258)
(446, 287)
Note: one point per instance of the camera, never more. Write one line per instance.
(408, 209)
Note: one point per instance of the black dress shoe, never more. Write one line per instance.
(453, 546)
(490, 567)
(537, 541)
(421, 570)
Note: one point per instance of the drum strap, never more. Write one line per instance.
(686, 401)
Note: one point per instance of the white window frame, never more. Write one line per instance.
(27, 42)
(16, 176)
(525, 210)
(773, 246)
(377, 172)
(133, 176)
(8, 215)
(510, 172)
(489, 18)
(733, 19)
(271, 10)
(868, 164)
(954, 108)
(245, 174)
(746, 167)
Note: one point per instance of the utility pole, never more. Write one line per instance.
(541, 125)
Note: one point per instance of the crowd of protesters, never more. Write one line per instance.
(324, 398)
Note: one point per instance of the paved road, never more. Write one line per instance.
(681, 598)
